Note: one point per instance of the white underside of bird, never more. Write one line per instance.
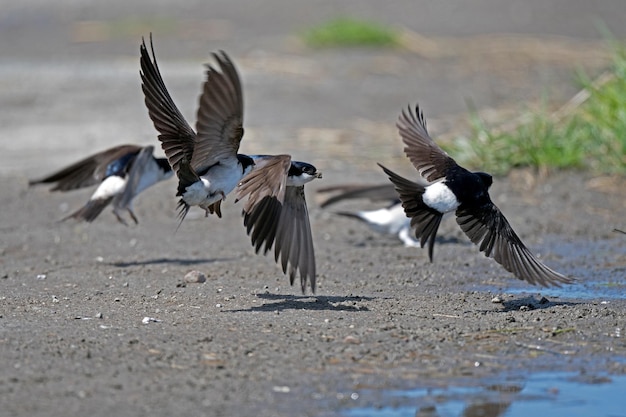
(390, 220)
(386, 220)
(110, 187)
(440, 197)
(215, 185)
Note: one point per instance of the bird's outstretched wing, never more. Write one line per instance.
(487, 227)
(177, 137)
(429, 159)
(220, 115)
(276, 215)
(88, 171)
(379, 192)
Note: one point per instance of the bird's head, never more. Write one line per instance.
(485, 178)
(301, 172)
(246, 163)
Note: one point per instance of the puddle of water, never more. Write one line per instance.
(560, 394)
(585, 291)
(599, 267)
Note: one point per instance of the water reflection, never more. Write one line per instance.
(562, 394)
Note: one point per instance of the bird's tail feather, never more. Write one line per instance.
(182, 213)
(89, 211)
(425, 220)
(351, 215)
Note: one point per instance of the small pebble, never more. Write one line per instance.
(41, 276)
(194, 277)
(496, 300)
(147, 320)
(353, 340)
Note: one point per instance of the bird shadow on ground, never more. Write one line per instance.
(531, 303)
(307, 302)
(177, 261)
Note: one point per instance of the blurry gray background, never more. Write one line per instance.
(69, 80)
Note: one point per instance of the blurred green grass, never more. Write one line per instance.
(347, 31)
(589, 134)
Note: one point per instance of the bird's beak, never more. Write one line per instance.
(318, 174)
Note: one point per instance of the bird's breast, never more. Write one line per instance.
(197, 193)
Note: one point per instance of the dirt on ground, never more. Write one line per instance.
(98, 319)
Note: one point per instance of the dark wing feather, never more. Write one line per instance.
(294, 243)
(487, 227)
(86, 172)
(381, 192)
(276, 216)
(428, 158)
(267, 178)
(176, 136)
(220, 115)
(424, 220)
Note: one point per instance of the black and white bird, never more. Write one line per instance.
(122, 173)
(206, 162)
(275, 213)
(208, 166)
(447, 187)
(389, 220)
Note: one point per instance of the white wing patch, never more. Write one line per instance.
(440, 197)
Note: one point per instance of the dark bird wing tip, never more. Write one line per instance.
(553, 279)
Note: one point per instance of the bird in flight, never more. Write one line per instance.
(275, 213)
(122, 173)
(206, 162)
(209, 168)
(445, 187)
(389, 220)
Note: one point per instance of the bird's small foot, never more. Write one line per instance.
(132, 216)
(119, 218)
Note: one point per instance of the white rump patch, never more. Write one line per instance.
(440, 197)
(110, 187)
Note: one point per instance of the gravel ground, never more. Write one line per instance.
(98, 319)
